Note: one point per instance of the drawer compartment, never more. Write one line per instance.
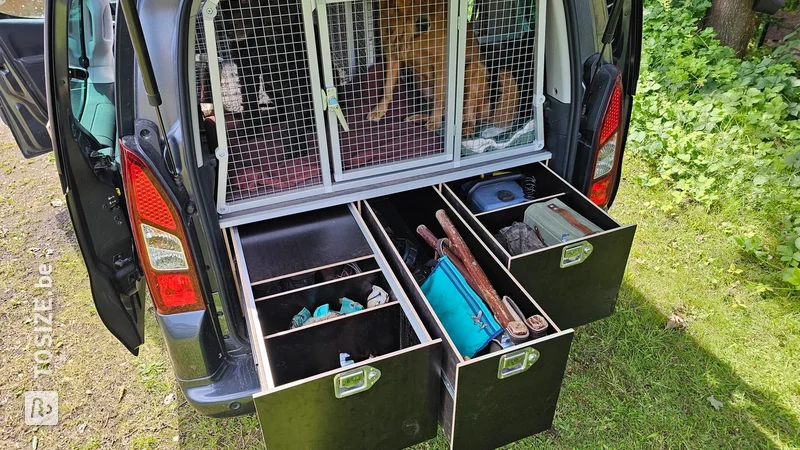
(276, 313)
(577, 282)
(333, 383)
(481, 400)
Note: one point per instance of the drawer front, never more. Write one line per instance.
(490, 411)
(582, 293)
(576, 282)
(338, 410)
(387, 399)
(480, 408)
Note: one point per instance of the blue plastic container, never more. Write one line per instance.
(492, 194)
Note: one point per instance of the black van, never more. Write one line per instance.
(254, 162)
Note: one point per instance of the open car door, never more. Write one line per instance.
(611, 77)
(76, 72)
(22, 91)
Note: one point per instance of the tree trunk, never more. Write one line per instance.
(734, 22)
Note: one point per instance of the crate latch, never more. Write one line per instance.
(332, 104)
(515, 363)
(355, 381)
(574, 254)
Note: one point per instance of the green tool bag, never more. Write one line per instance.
(557, 222)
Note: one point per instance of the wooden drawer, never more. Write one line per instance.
(388, 398)
(574, 291)
(482, 407)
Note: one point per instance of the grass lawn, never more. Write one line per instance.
(731, 379)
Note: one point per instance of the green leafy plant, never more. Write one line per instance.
(719, 130)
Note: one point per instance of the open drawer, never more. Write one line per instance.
(496, 397)
(577, 281)
(363, 379)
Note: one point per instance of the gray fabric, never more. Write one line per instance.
(518, 238)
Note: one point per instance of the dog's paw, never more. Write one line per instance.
(377, 113)
(433, 124)
(417, 118)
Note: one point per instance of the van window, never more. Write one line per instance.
(90, 40)
(29, 9)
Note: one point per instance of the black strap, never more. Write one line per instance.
(83, 60)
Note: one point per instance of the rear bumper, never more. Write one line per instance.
(228, 393)
(215, 383)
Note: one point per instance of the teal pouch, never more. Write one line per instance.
(349, 306)
(465, 317)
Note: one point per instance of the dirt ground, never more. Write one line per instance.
(107, 397)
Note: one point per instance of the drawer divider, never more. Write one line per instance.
(311, 286)
(335, 319)
(340, 263)
(416, 322)
(518, 205)
(251, 315)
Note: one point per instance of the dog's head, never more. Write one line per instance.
(423, 16)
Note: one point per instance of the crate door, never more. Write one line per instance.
(502, 82)
(389, 78)
(266, 96)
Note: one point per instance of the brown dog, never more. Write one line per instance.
(414, 33)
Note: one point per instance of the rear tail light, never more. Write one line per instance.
(160, 239)
(607, 150)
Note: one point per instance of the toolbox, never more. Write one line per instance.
(557, 222)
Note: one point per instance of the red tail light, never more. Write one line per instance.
(606, 154)
(160, 239)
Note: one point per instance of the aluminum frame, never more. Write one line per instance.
(210, 9)
(340, 185)
(538, 82)
(340, 173)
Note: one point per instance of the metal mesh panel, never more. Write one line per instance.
(395, 67)
(349, 40)
(363, 40)
(395, 108)
(232, 99)
(267, 99)
(202, 81)
(338, 22)
(499, 89)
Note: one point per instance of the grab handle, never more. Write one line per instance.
(355, 381)
(515, 363)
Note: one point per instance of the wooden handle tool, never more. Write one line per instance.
(431, 239)
(515, 328)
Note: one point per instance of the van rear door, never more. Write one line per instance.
(610, 81)
(76, 76)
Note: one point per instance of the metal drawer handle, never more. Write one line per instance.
(517, 362)
(354, 381)
(574, 254)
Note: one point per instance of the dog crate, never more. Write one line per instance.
(323, 102)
